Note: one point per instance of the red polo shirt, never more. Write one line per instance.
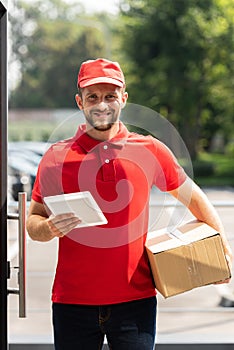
(107, 264)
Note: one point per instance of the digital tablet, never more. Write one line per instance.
(82, 204)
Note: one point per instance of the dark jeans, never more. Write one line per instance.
(127, 326)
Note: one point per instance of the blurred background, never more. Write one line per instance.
(178, 60)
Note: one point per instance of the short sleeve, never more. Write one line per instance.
(169, 175)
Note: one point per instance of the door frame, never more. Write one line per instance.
(3, 176)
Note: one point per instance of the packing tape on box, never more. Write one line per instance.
(179, 235)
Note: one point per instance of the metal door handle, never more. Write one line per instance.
(21, 217)
(22, 253)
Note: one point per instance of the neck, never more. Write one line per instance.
(102, 135)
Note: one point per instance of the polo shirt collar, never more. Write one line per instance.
(88, 143)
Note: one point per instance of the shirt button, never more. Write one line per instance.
(107, 161)
(105, 146)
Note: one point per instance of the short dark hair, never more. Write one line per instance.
(80, 91)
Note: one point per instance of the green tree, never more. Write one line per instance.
(49, 41)
(181, 55)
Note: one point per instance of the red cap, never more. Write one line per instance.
(100, 71)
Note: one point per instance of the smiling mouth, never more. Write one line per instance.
(101, 115)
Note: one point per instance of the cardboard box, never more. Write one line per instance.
(185, 258)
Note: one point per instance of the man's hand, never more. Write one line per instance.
(229, 258)
(60, 225)
(43, 228)
(197, 202)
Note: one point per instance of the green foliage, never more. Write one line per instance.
(181, 55)
(223, 170)
(203, 168)
(177, 56)
(230, 149)
(50, 41)
(27, 130)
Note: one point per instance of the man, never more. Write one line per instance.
(103, 284)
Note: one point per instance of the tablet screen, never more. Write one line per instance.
(82, 204)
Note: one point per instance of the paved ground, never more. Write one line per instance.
(193, 317)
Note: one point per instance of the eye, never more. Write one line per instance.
(92, 97)
(110, 97)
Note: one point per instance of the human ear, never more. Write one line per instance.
(79, 101)
(124, 99)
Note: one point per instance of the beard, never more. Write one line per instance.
(101, 121)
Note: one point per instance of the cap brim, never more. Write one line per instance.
(100, 80)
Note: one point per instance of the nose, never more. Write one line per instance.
(102, 106)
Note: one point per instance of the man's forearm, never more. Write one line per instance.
(43, 228)
(38, 228)
(204, 211)
(199, 205)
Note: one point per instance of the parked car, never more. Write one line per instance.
(18, 181)
(23, 161)
(36, 147)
